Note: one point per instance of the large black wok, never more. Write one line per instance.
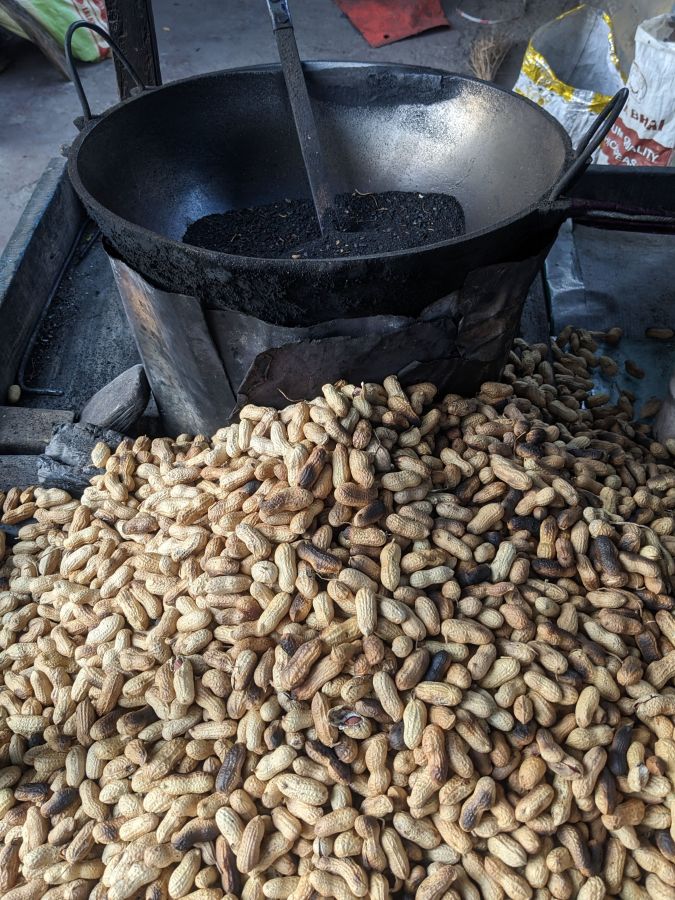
(156, 162)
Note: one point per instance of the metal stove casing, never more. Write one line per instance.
(203, 363)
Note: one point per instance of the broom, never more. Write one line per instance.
(487, 53)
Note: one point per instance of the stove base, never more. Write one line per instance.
(203, 363)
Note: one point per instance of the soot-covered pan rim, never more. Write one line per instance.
(117, 224)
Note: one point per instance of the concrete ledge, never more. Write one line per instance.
(26, 430)
(19, 471)
(31, 262)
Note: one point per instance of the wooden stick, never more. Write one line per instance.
(131, 23)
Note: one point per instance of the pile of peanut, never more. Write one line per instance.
(379, 644)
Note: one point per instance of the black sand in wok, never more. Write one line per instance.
(364, 224)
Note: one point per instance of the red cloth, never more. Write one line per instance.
(385, 21)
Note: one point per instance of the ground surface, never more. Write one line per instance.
(37, 107)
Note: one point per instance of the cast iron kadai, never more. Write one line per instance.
(167, 156)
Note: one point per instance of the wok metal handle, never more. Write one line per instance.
(77, 81)
(611, 215)
(608, 214)
(590, 142)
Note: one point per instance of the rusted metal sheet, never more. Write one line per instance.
(187, 377)
(270, 364)
(202, 362)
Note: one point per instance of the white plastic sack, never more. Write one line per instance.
(644, 133)
(57, 15)
(571, 68)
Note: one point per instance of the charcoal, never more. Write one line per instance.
(72, 443)
(74, 479)
(66, 462)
